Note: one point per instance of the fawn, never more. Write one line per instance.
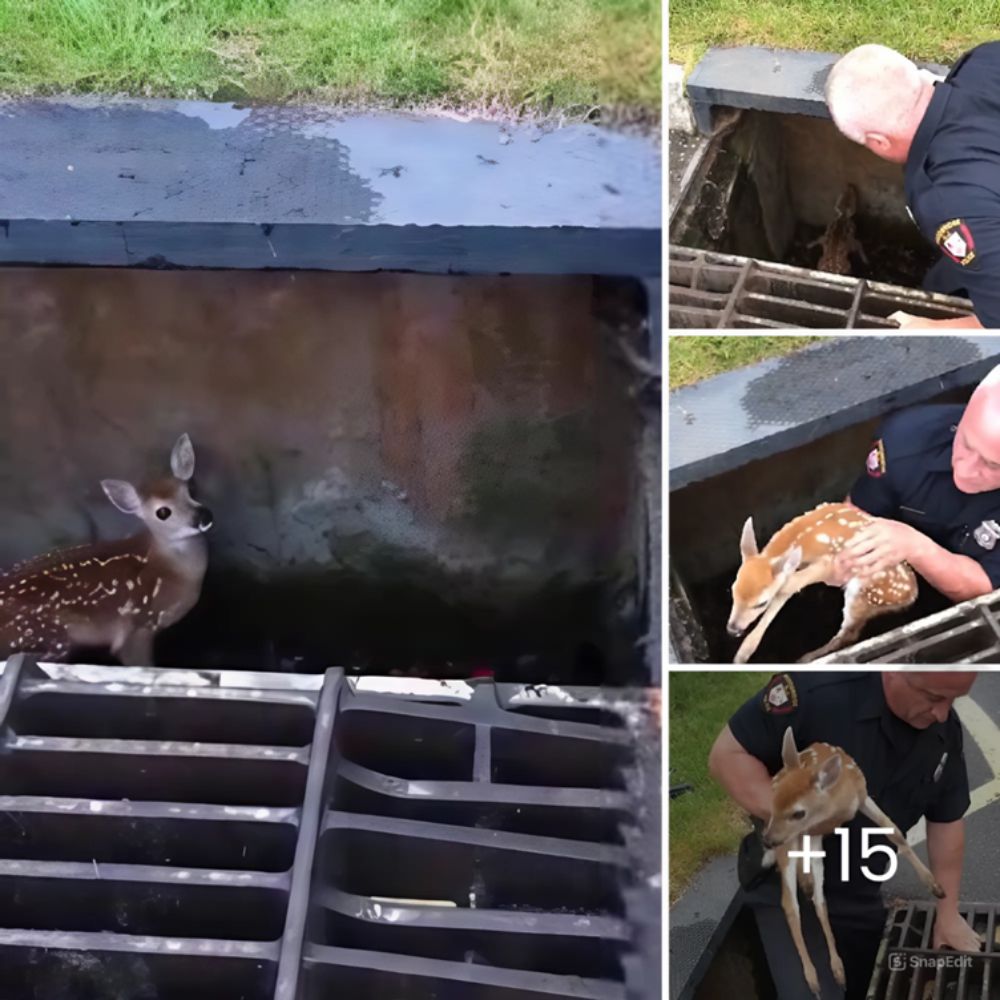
(115, 594)
(802, 553)
(815, 792)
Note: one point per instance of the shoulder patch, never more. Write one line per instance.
(875, 463)
(955, 240)
(780, 696)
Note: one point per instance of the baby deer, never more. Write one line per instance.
(115, 594)
(803, 553)
(817, 791)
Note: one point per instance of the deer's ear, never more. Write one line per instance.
(748, 544)
(182, 458)
(828, 774)
(789, 752)
(123, 495)
(789, 562)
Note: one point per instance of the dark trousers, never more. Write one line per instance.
(857, 928)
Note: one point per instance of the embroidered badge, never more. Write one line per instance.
(780, 696)
(875, 463)
(955, 239)
(987, 534)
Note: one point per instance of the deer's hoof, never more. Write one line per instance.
(813, 980)
(838, 970)
(937, 890)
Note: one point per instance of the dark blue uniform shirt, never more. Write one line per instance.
(953, 181)
(908, 478)
(910, 772)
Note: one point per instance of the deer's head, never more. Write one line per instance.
(802, 798)
(165, 506)
(758, 580)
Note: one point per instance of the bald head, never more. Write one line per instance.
(922, 697)
(877, 98)
(975, 459)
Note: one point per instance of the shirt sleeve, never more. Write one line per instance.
(759, 724)
(989, 559)
(976, 241)
(952, 800)
(873, 490)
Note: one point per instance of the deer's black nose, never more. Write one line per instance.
(734, 630)
(204, 518)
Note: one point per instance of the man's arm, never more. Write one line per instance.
(886, 542)
(742, 775)
(945, 850)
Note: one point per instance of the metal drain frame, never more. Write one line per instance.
(710, 290)
(908, 934)
(487, 707)
(976, 621)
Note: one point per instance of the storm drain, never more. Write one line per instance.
(907, 968)
(188, 840)
(715, 291)
(966, 633)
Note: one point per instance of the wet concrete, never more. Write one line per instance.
(173, 183)
(683, 148)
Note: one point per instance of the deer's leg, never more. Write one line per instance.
(137, 649)
(790, 905)
(796, 582)
(819, 902)
(872, 811)
(854, 620)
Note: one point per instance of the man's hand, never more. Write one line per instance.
(907, 321)
(952, 931)
(881, 545)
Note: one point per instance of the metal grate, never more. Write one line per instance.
(907, 968)
(722, 291)
(966, 633)
(473, 849)
(206, 836)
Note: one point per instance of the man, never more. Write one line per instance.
(904, 735)
(947, 133)
(932, 478)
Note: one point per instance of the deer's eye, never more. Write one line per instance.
(799, 814)
(163, 513)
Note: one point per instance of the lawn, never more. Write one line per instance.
(510, 54)
(704, 823)
(922, 29)
(693, 357)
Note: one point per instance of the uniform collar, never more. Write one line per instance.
(928, 127)
(941, 460)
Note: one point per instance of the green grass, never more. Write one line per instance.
(930, 30)
(533, 54)
(704, 823)
(693, 358)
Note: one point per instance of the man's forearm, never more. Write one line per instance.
(742, 775)
(957, 577)
(945, 850)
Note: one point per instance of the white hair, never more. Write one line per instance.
(873, 89)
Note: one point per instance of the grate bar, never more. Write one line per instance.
(461, 791)
(146, 944)
(290, 960)
(374, 910)
(146, 810)
(520, 983)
